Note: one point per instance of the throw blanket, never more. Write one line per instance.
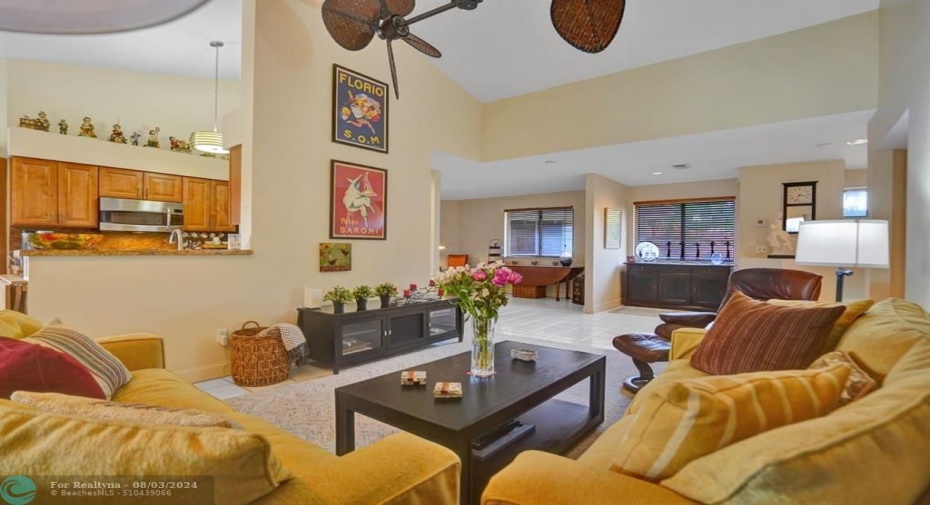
(298, 352)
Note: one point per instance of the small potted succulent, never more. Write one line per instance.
(362, 294)
(386, 291)
(340, 296)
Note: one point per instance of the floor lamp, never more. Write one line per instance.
(844, 244)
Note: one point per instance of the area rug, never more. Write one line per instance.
(640, 311)
(307, 409)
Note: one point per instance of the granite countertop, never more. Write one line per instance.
(170, 252)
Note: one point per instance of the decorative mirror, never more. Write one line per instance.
(800, 204)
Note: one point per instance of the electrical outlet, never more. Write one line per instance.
(762, 249)
(222, 337)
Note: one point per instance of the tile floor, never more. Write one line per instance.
(542, 319)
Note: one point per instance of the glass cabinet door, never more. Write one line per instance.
(441, 321)
(362, 336)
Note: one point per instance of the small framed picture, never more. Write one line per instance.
(612, 228)
(358, 201)
(360, 110)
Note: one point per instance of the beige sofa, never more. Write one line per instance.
(874, 450)
(400, 469)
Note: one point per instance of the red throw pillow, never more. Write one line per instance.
(31, 367)
(753, 336)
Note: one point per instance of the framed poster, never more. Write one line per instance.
(357, 201)
(360, 110)
(335, 257)
(611, 228)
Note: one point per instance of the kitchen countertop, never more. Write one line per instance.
(184, 252)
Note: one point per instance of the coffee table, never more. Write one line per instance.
(519, 390)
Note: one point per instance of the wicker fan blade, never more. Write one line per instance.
(422, 45)
(351, 23)
(588, 25)
(393, 69)
(400, 8)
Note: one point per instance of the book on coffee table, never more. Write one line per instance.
(412, 378)
(448, 390)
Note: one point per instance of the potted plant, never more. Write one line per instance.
(362, 294)
(340, 296)
(386, 291)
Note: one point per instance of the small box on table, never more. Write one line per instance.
(448, 390)
(412, 378)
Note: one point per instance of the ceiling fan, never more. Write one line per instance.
(588, 25)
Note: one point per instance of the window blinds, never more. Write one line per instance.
(538, 232)
(687, 230)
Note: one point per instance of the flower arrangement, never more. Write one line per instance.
(481, 294)
(386, 289)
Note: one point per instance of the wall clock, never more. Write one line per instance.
(799, 204)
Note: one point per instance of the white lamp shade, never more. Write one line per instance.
(847, 243)
(208, 142)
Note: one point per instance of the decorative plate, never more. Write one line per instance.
(647, 251)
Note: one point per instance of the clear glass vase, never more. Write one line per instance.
(482, 348)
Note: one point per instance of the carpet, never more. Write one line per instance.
(641, 311)
(307, 409)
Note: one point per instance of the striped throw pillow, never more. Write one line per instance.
(109, 372)
(753, 336)
(691, 418)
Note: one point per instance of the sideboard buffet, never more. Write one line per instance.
(699, 286)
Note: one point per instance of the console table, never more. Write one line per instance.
(675, 285)
(541, 277)
(368, 335)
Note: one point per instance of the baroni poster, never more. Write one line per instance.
(360, 110)
(358, 201)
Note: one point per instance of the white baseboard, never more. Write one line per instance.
(204, 372)
(608, 305)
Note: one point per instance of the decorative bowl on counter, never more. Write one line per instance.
(62, 241)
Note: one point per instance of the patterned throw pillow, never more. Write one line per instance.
(30, 367)
(110, 373)
(753, 336)
(112, 411)
(859, 382)
(852, 312)
(691, 418)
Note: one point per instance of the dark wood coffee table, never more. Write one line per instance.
(520, 390)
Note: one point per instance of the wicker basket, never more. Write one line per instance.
(257, 361)
(521, 291)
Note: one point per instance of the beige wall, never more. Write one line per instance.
(904, 88)
(857, 178)
(471, 224)
(825, 69)
(289, 81)
(888, 200)
(139, 101)
(602, 266)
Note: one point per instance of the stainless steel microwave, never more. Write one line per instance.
(121, 214)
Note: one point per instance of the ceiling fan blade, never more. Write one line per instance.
(588, 25)
(351, 23)
(399, 7)
(422, 45)
(393, 69)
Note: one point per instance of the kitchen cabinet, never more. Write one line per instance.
(362, 336)
(135, 184)
(54, 194)
(206, 205)
(675, 286)
(235, 184)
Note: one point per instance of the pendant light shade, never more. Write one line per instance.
(205, 140)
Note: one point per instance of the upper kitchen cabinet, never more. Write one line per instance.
(206, 205)
(51, 193)
(120, 183)
(135, 184)
(163, 187)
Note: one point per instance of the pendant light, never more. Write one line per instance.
(211, 141)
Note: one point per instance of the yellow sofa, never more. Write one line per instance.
(874, 450)
(400, 469)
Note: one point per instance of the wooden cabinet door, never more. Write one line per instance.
(34, 192)
(78, 204)
(642, 281)
(221, 206)
(674, 286)
(198, 204)
(163, 187)
(709, 286)
(119, 183)
(235, 184)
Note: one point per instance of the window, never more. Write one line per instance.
(856, 202)
(538, 232)
(687, 230)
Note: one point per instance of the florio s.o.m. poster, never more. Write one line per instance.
(360, 110)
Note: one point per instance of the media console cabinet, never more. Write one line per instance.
(676, 285)
(367, 335)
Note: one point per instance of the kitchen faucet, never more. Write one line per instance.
(176, 235)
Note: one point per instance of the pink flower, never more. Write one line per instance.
(479, 275)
